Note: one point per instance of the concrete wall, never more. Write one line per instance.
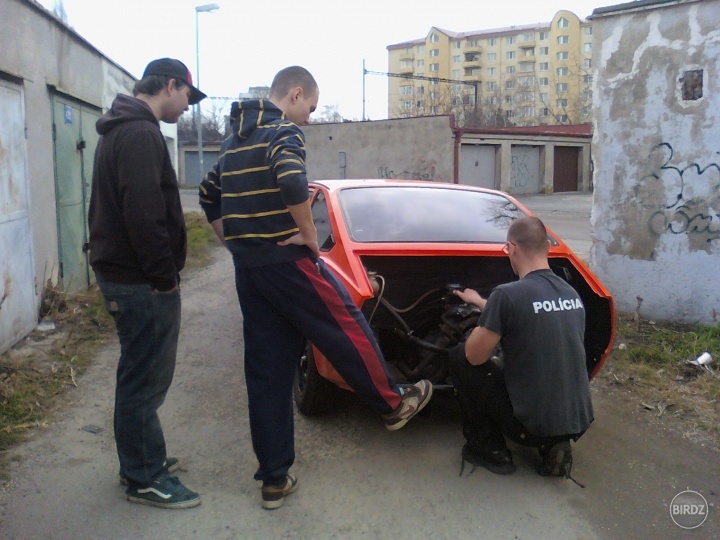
(417, 148)
(656, 150)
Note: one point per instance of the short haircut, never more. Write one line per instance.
(292, 77)
(529, 233)
(152, 84)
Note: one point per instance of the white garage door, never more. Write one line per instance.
(525, 170)
(17, 291)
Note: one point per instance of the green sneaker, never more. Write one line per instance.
(172, 464)
(165, 492)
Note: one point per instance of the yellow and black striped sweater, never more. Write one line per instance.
(260, 172)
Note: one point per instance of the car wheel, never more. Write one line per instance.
(313, 394)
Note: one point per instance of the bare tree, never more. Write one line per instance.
(566, 93)
(214, 113)
(59, 11)
(330, 114)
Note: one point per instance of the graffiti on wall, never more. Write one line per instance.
(694, 205)
(424, 169)
(520, 170)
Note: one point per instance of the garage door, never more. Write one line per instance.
(525, 170)
(18, 308)
(477, 165)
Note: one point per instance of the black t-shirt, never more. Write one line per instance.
(541, 321)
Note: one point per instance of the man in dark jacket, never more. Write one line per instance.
(137, 249)
(256, 198)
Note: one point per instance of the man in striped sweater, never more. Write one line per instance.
(256, 198)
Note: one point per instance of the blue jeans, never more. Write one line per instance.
(148, 325)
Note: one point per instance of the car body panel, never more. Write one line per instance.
(344, 255)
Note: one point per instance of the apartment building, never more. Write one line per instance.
(537, 74)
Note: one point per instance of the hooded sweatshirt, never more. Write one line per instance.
(137, 227)
(260, 172)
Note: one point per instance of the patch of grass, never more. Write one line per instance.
(201, 240)
(652, 360)
(40, 369)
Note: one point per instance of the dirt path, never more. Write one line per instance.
(357, 480)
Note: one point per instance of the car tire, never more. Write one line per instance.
(313, 394)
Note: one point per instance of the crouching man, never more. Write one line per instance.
(540, 397)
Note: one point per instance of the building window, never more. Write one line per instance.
(530, 51)
(543, 66)
(526, 81)
(421, 49)
(526, 96)
(406, 64)
(587, 30)
(510, 69)
(456, 44)
(406, 90)
(563, 118)
(408, 50)
(544, 51)
(492, 85)
(510, 40)
(587, 79)
(420, 91)
(562, 71)
(492, 57)
(563, 55)
(530, 36)
(544, 111)
(588, 62)
(563, 40)
(434, 53)
(561, 87)
(472, 43)
(526, 111)
(544, 36)
(434, 95)
(434, 38)
(587, 47)
(544, 81)
(509, 113)
(491, 71)
(526, 67)
(455, 73)
(510, 55)
(544, 97)
(492, 100)
(433, 109)
(562, 103)
(492, 42)
(456, 59)
(508, 99)
(509, 85)
(421, 63)
(563, 22)
(434, 67)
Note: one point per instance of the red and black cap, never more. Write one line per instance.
(174, 69)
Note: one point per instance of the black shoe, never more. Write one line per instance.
(165, 492)
(556, 460)
(495, 461)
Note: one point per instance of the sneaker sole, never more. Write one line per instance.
(171, 469)
(277, 503)
(421, 406)
(159, 504)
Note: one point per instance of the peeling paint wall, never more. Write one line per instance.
(656, 152)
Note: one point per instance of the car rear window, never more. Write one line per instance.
(426, 214)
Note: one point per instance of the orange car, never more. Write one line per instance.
(401, 247)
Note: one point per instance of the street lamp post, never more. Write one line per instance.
(205, 8)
